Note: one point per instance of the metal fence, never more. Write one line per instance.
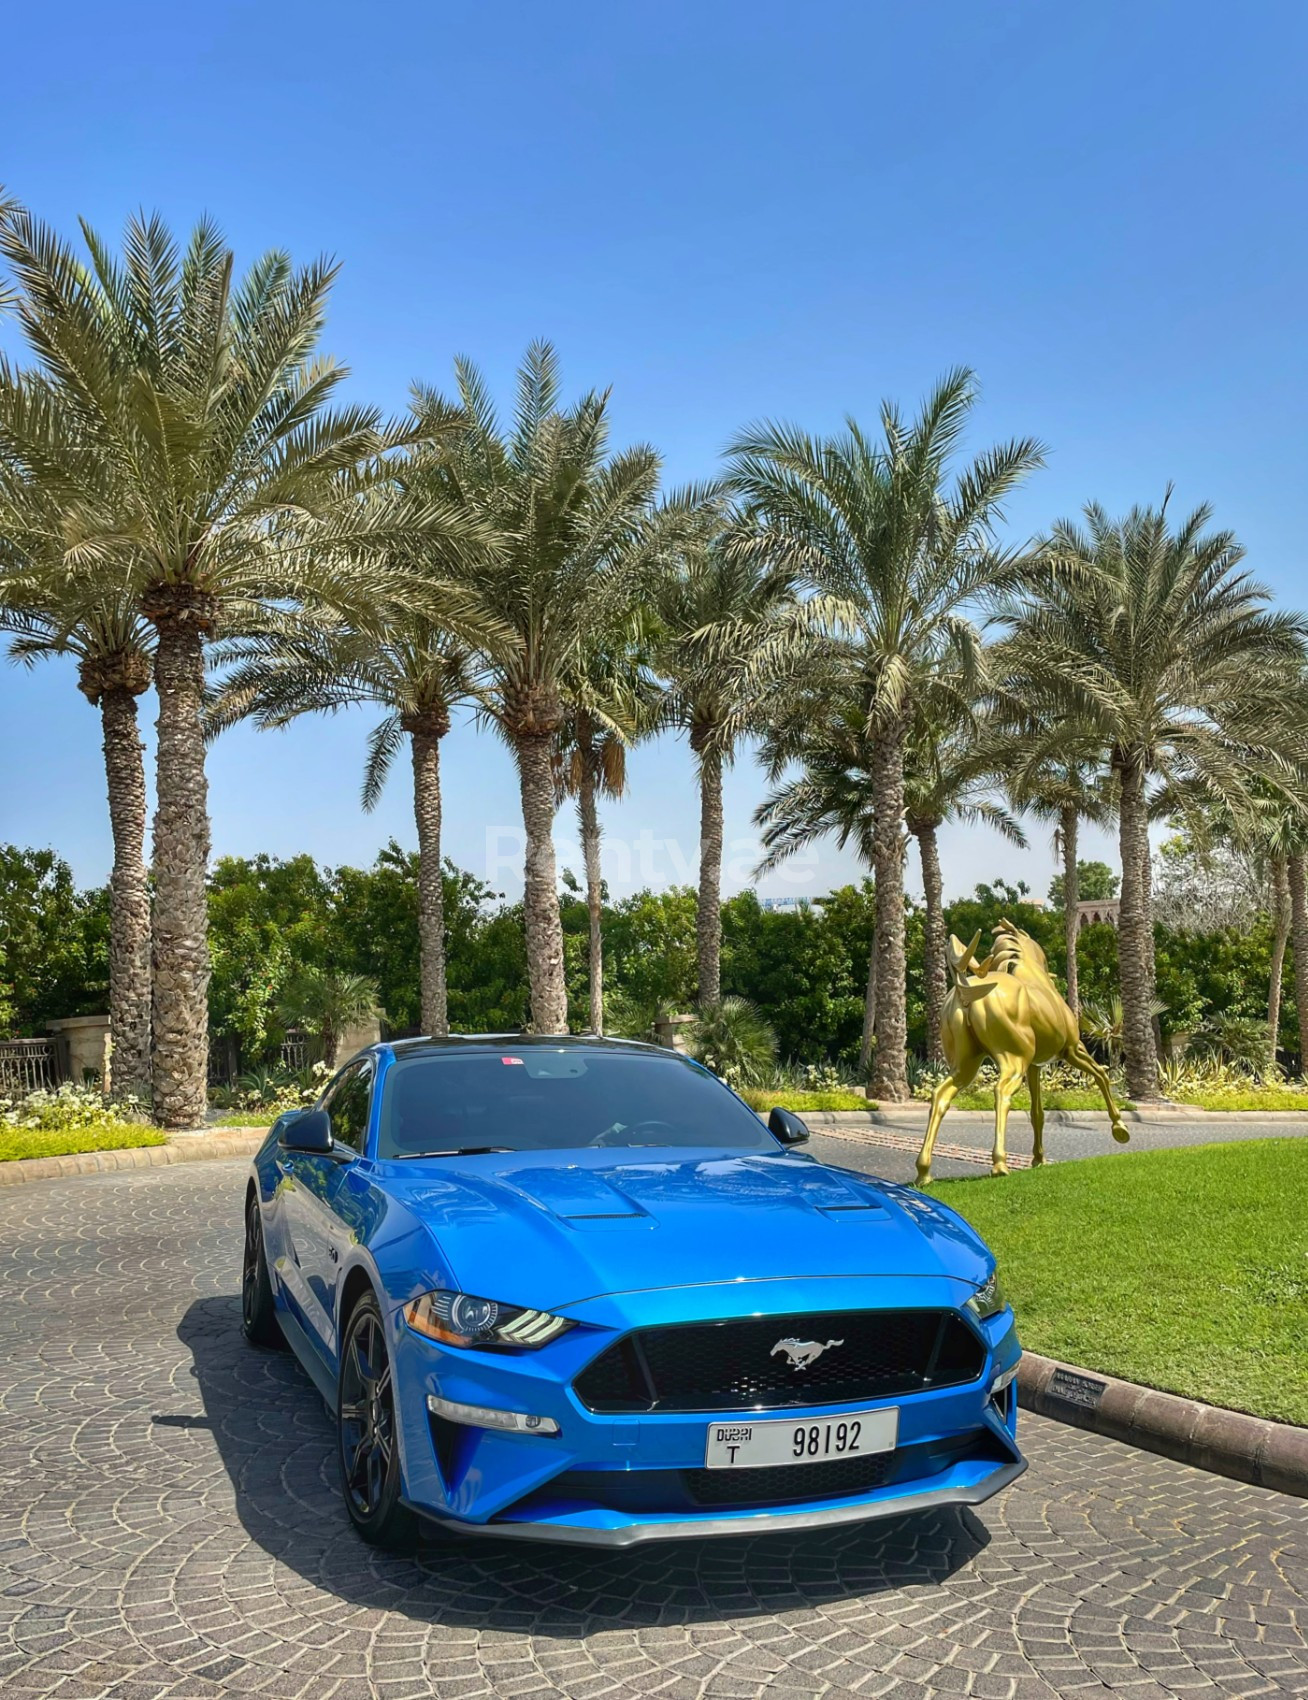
(296, 1052)
(226, 1065)
(30, 1065)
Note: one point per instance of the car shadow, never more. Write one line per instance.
(274, 1437)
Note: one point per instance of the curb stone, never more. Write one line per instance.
(1227, 1443)
(189, 1148)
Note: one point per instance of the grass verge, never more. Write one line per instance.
(1252, 1098)
(16, 1142)
(984, 1099)
(766, 1097)
(1184, 1269)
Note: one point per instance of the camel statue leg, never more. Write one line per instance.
(943, 1096)
(1011, 1070)
(1080, 1058)
(1037, 1115)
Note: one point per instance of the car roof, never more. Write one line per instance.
(518, 1041)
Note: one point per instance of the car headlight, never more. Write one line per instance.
(988, 1300)
(459, 1319)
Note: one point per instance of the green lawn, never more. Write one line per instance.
(18, 1142)
(246, 1118)
(1185, 1270)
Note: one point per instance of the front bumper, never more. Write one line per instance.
(620, 1480)
(588, 1527)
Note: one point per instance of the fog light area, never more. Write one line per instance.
(486, 1416)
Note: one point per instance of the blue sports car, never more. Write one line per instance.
(575, 1289)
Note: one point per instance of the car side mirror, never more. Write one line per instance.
(310, 1131)
(786, 1126)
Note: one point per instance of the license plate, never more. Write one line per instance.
(747, 1446)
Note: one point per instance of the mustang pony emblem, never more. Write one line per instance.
(801, 1353)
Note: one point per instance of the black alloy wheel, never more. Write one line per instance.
(258, 1312)
(366, 1428)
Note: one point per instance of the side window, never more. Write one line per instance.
(348, 1107)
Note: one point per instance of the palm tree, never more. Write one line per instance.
(830, 795)
(1282, 918)
(1154, 642)
(1297, 881)
(403, 661)
(111, 645)
(327, 1002)
(898, 561)
(569, 535)
(592, 763)
(611, 699)
(178, 427)
(713, 610)
(1273, 833)
(947, 777)
(1270, 830)
(1058, 776)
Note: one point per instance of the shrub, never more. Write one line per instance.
(735, 1041)
(267, 1093)
(763, 1098)
(68, 1108)
(1242, 1041)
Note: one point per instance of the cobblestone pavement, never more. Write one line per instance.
(169, 1525)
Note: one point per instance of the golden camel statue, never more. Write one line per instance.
(1009, 1009)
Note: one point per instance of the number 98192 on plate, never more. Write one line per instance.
(795, 1440)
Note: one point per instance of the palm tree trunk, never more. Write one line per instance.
(1298, 882)
(934, 975)
(708, 924)
(1151, 958)
(869, 1012)
(1133, 923)
(181, 855)
(129, 897)
(1281, 912)
(549, 991)
(588, 819)
(1147, 901)
(1067, 835)
(890, 1065)
(425, 739)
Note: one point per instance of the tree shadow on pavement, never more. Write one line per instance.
(275, 1440)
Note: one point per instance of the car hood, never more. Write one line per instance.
(549, 1229)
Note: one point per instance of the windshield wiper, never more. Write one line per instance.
(463, 1151)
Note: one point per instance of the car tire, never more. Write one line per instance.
(367, 1441)
(259, 1321)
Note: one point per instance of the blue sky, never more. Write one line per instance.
(725, 211)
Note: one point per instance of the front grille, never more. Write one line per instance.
(734, 1365)
(827, 1480)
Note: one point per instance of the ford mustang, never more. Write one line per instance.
(575, 1289)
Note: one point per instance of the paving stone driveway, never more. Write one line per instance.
(169, 1525)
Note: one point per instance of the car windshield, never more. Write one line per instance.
(543, 1098)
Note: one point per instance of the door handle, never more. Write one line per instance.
(333, 1254)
